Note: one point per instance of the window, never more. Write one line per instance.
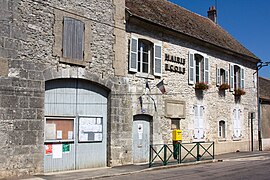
(73, 39)
(198, 122)
(222, 76)
(198, 68)
(237, 77)
(72, 35)
(221, 129)
(145, 57)
(236, 123)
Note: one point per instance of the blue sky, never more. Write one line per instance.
(248, 21)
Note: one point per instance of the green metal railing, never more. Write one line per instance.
(180, 153)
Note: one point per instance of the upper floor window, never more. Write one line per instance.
(72, 33)
(198, 68)
(73, 39)
(222, 76)
(237, 77)
(145, 56)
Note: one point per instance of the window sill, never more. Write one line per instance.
(73, 62)
(222, 140)
(58, 141)
(145, 75)
(198, 140)
(236, 139)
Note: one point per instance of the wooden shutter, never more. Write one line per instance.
(238, 123)
(231, 77)
(157, 59)
(133, 56)
(235, 122)
(191, 68)
(73, 38)
(218, 76)
(78, 45)
(196, 122)
(201, 122)
(226, 77)
(242, 74)
(206, 71)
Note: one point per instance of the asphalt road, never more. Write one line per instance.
(257, 168)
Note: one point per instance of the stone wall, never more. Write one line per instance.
(27, 60)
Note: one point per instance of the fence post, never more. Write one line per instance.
(180, 157)
(198, 151)
(150, 156)
(213, 150)
(165, 155)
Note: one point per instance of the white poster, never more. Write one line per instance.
(98, 137)
(57, 151)
(83, 136)
(70, 134)
(59, 134)
(50, 131)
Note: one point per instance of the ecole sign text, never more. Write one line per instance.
(172, 67)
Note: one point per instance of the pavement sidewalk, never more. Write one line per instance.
(130, 169)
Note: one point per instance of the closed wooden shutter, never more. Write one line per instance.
(191, 69)
(237, 123)
(231, 77)
(218, 76)
(206, 70)
(157, 59)
(201, 123)
(73, 39)
(196, 122)
(133, 55)
(242, 74)
(226, 77)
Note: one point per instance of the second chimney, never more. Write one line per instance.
(212, 14)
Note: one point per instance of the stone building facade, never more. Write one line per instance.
(73, 95)
(264, 111)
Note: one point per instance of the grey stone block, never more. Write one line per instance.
(5, 29)
(20, 125)
(29, 114)
(36, 102)
(24, 102)
(29, 138)
(9, 102)
(36, 125)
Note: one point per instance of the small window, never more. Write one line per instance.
(73, 39)
(221, 129)
(145, 57)
(222, 77)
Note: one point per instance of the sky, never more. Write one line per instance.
(248, 21)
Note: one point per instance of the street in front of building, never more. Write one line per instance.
(249, 167)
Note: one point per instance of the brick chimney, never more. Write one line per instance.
(212, 14)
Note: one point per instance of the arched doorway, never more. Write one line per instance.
(75, 125)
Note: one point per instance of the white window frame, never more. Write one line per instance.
(241, 77)
(222, 130)
(153, 56)
(219, 76)
(192, 68)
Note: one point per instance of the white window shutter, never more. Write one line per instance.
(235, 123)
(157, 59)
(242, 74)
(201, 123)
(238, 124)
(206, 71)
(191, 68)
(226, 77)
(231, 77)
(196, 122)
(218, 76)
(133, 56)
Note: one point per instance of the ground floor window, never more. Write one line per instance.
(221, 129)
